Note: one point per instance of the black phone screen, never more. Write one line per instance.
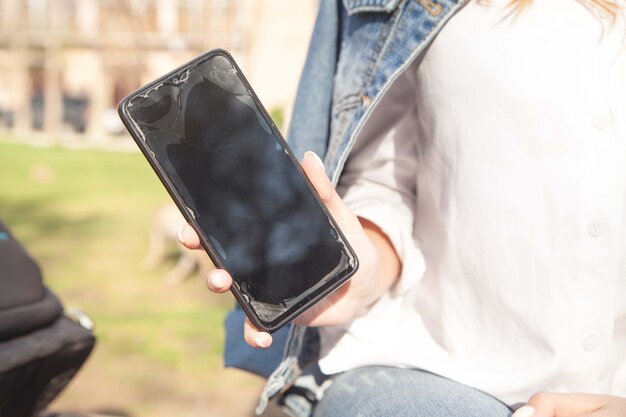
(232, 172)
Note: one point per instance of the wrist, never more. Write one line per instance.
(384, 266)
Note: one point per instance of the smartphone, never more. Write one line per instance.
(234, 178)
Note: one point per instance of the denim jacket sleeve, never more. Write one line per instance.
(312, 115)
(310, 122)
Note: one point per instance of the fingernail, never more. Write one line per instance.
(216, 280)
(317, 159)
(259, 341)
(180, 235)
(525, 411)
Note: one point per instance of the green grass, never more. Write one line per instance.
(85, 216)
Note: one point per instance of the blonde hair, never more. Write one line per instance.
(606, 6)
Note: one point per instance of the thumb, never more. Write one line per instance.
(314, 169)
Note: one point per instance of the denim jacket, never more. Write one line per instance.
(358, 48)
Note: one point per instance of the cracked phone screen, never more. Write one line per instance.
(232, 171)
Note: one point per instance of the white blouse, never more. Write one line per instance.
(497, 167)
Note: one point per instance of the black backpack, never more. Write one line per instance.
(41, 348)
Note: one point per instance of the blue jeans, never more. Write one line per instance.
(379, 391)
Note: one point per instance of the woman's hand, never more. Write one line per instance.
(547, 404)
(379, 265)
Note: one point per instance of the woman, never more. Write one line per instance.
(481, 181)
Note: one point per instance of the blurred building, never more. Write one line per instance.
(65, 64)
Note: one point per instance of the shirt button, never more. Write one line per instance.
(596, 228)
(591, 342)
(602, 120)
